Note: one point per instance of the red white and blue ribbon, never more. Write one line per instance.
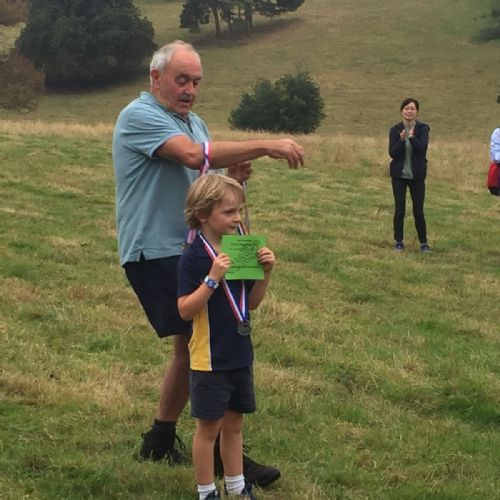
(203, 170)
(240, 310)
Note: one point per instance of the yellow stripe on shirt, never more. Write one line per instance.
(199, 345)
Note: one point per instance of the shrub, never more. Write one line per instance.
(293, 104)
(12, 12)
(82, 41)
(20, 83)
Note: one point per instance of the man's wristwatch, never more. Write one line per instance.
(210, 283)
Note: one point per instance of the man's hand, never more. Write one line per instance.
(289, 150)
(240, 172)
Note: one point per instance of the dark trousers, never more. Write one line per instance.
(417, 192)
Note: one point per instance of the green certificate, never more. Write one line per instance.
(242, 250)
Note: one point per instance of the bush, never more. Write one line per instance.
(293, 104)
(20, 83)
(82, 41)
(12, 12)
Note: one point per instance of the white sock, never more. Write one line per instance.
(234, 484)
(205, 489)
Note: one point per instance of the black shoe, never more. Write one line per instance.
(159, 444)
(259, 475)
(425, 248)
(247, 491)
(213, 495)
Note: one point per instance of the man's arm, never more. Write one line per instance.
(228, 153)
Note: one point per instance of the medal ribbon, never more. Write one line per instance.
(240, 311)
(203, 170)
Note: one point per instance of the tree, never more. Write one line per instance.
(12, 12)
(85, 41)
(491, 32)
(293, 104)
(20, 83)
(237, 14)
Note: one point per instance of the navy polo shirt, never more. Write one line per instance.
(215, 343)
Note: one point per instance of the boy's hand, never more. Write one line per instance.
(266, 258)
(220, 266)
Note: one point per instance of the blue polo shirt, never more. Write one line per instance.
(215, 343)
(150, 191)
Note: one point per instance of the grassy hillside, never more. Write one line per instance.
(366, 56)
(377, 375)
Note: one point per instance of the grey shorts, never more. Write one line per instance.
(212, 393)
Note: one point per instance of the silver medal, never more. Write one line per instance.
(244, 328)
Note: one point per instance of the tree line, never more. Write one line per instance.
(83, 42)
(236, 14)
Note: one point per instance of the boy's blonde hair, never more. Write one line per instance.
(205, 193)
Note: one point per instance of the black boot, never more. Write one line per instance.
(257, 474)
(159, 443)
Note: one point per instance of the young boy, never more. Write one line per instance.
(221, 354)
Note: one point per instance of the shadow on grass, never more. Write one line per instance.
(468, 404)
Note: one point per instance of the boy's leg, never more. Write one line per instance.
(244, 402)
(231, 443)
(232, 455)
(203, 449)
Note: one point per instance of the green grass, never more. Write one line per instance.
(377, 375)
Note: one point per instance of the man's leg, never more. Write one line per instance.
(174, 390)
(155, 284)
(159, 442)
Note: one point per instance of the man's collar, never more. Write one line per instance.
(150, 97)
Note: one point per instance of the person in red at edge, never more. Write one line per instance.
(159, 146)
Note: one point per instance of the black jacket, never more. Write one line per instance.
(419, 144)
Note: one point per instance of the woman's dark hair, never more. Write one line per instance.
(407, 101)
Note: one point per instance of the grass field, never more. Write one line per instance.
(377, 375)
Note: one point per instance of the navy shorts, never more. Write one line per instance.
(212, 393)
(155, 283)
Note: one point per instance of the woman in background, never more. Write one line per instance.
(408, 141)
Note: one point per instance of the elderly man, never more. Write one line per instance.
(159, 147)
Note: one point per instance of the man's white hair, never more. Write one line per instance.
(163, 55)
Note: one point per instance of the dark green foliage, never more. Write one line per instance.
(237, 14)
(82, 41)
(293, 104)
(491, 32)
(276, 7)
(194, 13)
